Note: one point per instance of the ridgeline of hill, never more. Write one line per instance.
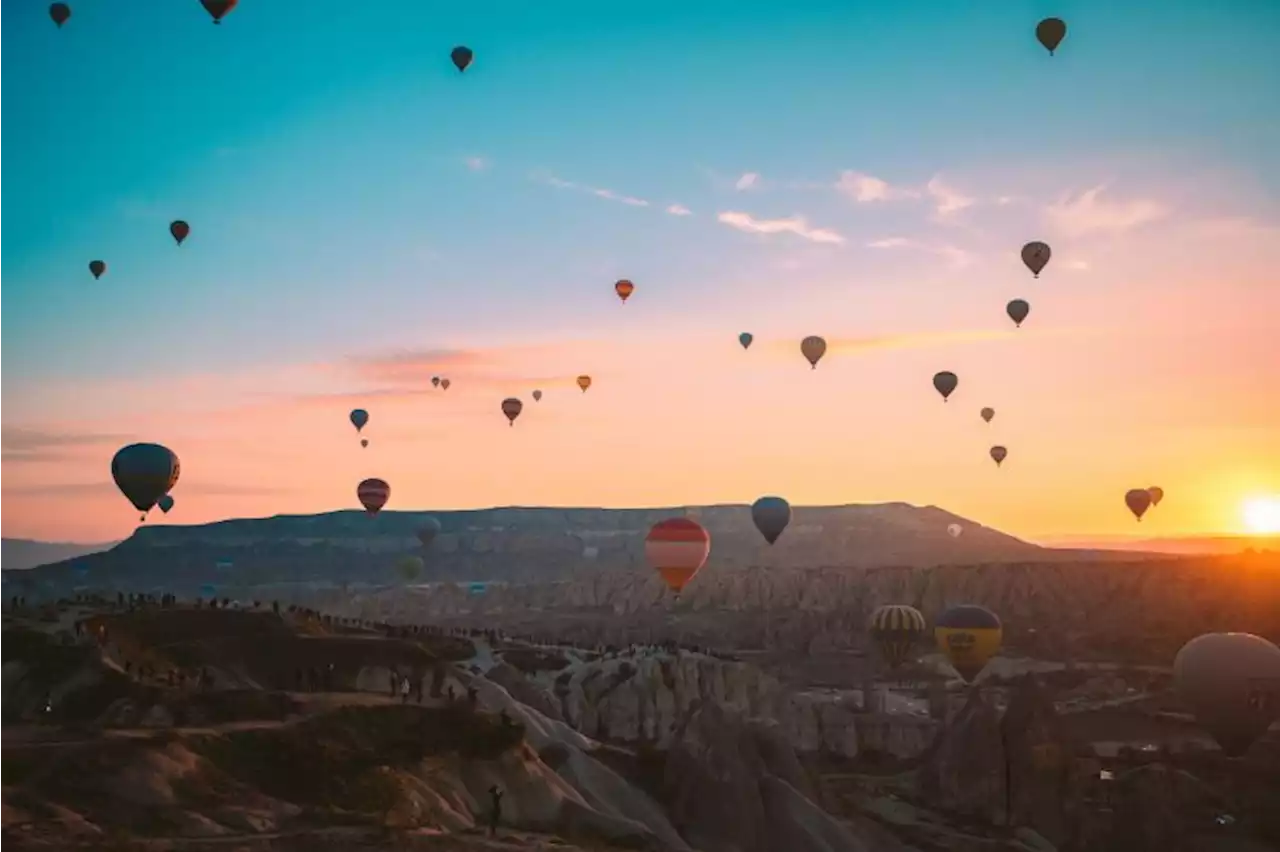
(531, 545)
(17, 554)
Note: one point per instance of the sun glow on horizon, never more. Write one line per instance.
(1261, 515)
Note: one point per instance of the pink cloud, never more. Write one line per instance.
(796, 225)
(1091, 212)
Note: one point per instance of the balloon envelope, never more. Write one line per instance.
(97, 267)
(1157, 494)
(988, 413)
(428, 530)
(745, 339)
(461, 57)
(165, 503)
(444, 384)
(945, 383)
(218, 8)
(512, 408)
(144, 473)
(60, 12)
(999, 454)
(1231, 681)
(970, 636)
(813, 348)
(373, 494)
(179, 229)
(409, 566)
(359, 417)
(896, 628)
(771, 516)
(1035, 255)
(584, 382)
(677, 548)
(1050, 32)
(1018, 310)
(1138, 500)
(537, 396)
(435, 381)
(624, 289)
(954, 530)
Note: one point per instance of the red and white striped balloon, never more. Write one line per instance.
(373, 494)
(677, 548)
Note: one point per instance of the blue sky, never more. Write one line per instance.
(349, 192)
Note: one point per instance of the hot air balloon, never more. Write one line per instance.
(969, 635)
(998, 454)
(461, 57)
(945, 383)
(97, 268)
(409, 566)
(444, 384)
(624, 289)
(428, 530)
(144, 473)
(373, 494)
(1035, 255)
(1018, 309)
(771, 516)
(813, 348)
(987, 414)
(584, 382)
(60, 12)
(165, 503)
(364, 442)
(1231, 681)
(954, 530)
(1050, 32)
(179, 229)
(512, 408)
(745, 339)
(359, 417)
(435, 381)
(218, 8)
(896, 628)
(1138, 500)
(677, 548)
(1157, 494)
(537, 396)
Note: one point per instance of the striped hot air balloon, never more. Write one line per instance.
(896, 628)
(373, 494)
(970, 636)
(677, 548)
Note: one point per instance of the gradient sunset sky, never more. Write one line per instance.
(364, 217)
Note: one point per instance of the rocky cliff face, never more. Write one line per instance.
(536, 544)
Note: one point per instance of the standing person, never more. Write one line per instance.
(393, 678)
(495, 811)
(404, 690)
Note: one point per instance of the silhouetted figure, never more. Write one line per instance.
(472, 698)
(417, 687)
(404, 690)
(495, 810)
(392, 677)
(452, 696)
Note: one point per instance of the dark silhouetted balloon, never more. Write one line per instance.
(373, 495)
(359, 418)
(1018, 310)
(461, 57)
(624, 289)
(771, 516)
(444, 384)
(409, 566)
(537, 396)
(512, 408)
(180, 230)
(1157, 494)
(1050, 32)
(218, 8)
(970, 636)
(677, 548)
(144, 473)
(813, 348)
(1138, 500)
(945, 383)
(1231, 681)
(999, 454)
(97, 267)
(1035, 255)
(987, 414)
(584, 382)
(364, 442)
(60, 12)
(435, 381)
(428, 530)
(745, 339)
(896, 629)
(164, 503)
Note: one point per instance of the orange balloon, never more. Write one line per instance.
(624, 289)
(584, 382)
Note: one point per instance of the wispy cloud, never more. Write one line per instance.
(864, 188)
(1079, 265)
(1091, 213)
(607, 194)
(956, 255)
(796, 225)
(36, 445)
(679, 210)
(747, 181)
(947, 200)
(476, 163)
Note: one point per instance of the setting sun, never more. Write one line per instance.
(1262, 515)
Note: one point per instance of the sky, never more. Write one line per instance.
(364, 217)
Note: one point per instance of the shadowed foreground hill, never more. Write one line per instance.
(529, 545)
